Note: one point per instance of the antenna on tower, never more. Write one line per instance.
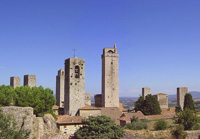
(74, 52)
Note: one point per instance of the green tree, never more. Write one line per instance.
(40, 99)
(139, 104)
(160, 125)
(187, 118)
(149, 106)
(188, 102)
(99, 127)
(178, 109)
(8, 128)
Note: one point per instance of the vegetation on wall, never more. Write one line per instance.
(40, 99)
(148, 106)
(136, 124)
(8, 128)
(101, 127)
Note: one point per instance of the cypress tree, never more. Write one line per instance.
(188, 102)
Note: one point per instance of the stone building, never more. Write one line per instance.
(146, 91)
(110, 77)
(162, 99)
(88, 99)
(30, 80)
(74, 98)
(15, 81)
(98, 100)
(181, 91)
(60, 86)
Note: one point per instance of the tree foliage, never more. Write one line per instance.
(149, 106)
(179, 133)
(188, 102)
(40, 99)
(99, 127)
(8, 128)
(187, 118)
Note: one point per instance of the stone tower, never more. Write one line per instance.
(88, 99)
(30, 80)
(181, 92)
(15, 81)
(146, 91)
(74, 85)
(110, 77)
(60, 87)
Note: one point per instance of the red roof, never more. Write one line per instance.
(66, 119)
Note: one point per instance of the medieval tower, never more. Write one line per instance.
(15, 81)
(30, 80)
(110, 77)
(181, 92)
(74, 98)
(60, 87)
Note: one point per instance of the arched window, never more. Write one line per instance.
(110, 51)
(77, 72)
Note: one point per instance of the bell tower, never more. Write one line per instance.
(110, 77)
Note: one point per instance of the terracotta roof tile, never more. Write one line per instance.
(66, 119)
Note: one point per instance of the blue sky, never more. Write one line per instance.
(158, 41)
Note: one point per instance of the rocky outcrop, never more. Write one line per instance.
(40, 127)
(23, 117)
(50, 125)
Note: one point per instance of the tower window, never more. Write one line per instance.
(77, 72)
(111, 63)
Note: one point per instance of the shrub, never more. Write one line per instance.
(179, 133)
(160, 125)
(136, 125)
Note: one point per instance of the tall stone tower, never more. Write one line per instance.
(74, 85)
(181, 92)
(15, 81)
(30, 80)
(60, 87)
(110, 77)
(146, 91)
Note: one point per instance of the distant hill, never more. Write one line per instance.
(195, 95)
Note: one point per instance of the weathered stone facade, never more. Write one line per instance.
(110, 77)
(30, 80)
(181, 92)
(25, 119)
(146, 91)
(60, 86)
(74, 85)
(87, 99)
(15, 81)
(98, 100)
(162, 99)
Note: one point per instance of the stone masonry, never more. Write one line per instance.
(74, 85)
(30, 80)
(162, 99)
(98, 100)
(110, 77)
(181, 91)
(88, 99)
(146, 91)
(15, 81)
(60, 86)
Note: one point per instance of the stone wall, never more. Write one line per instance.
(87, 113)
(98, 100)
(140, 134)
(88, 99)
(162, 99)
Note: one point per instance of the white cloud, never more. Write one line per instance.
(1, 67)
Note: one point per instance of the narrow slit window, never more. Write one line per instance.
(77, 72)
